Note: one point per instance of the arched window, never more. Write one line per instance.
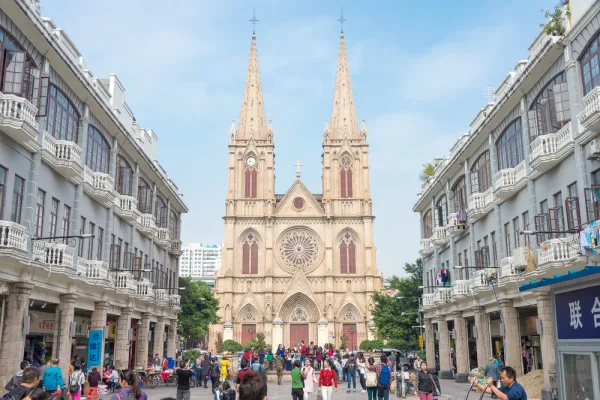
(550, 110)
(250, 254)
(98, 151)
(62, 118)
(441, 211)
(590, 68)
(427, 231)
(509, 146)
(460, 195)
(124, 176)
(160, 212)
(347, 254)
(144, 197)
(480, 174)
(174, 225)
(345, 176)
(251, 175)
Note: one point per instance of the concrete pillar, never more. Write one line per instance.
(62, 342)
(322, 332)
(544, 306)
(462, 348)
(484, 337)
(13, 339)
(512, 336)
(122, 339)
(159, 337)
(172, 345)
(141, 344)
(371, 330)
(429, 343)
(277, 333)
(228, 331)
(445, 368)
(98, 322)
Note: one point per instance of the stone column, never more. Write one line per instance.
(445, 368)
(172, 345)
(371, 330)
(122, 339)
(544, 307)
(228, 331)
(159, 337)
(322, 332)
(512, 336)
(484, 337)
(141, 345)
(429, 343)
(98, 322)
(462, 348)
(62, 331)
(277, 333)
(13, 339)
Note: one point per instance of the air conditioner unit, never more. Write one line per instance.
(524, 259)
(594, 149)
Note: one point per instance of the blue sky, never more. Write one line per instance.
(418, 70)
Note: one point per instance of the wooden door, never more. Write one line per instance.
(248, 332)
(351, 334)
(298, 333)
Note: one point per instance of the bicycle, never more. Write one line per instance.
(148, 379)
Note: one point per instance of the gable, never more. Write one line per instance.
(310, 207)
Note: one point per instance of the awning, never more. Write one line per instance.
(558, 278)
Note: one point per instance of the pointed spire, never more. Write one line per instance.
(343, 116)
(252, 116)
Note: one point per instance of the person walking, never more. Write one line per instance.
(310, 378)
(130, 388)
(303, 351)
(15, 381)
(225, 367)
(392, 358)
(76, 381)
(184, 373)
(30, 379)
(241, 372)
(297, 386)
(215, 373)
(94, 378)
(198, 369)
(279, 367)
(426, 383)
(492, 371)
(205, 368)
(362, 370)
(351, 372)
(384, 378)
(53, 379)
(510, 389)
(327, 381)
(371, 379)
(257, 367)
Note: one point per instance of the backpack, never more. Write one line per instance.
(216, 371)
(371, 379)
(74, 386)
(384, 376)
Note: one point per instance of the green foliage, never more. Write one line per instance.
(231, 346)
(556, 24)
(196, 314)
(260, 341)
(344, 341)
(219, 342)
(250, 343)
(370, 345)
(392, 326)
(190, 355)
(426, 172)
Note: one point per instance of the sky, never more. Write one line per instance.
(418, 68)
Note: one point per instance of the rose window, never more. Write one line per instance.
(299, 248)
(346, 161)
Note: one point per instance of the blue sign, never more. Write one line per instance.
(95, 342)
(578, 314)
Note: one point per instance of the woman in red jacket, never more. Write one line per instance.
(327, 381)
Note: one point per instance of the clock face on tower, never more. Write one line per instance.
(251, 161)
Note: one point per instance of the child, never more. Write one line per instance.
(218, 392)
(228, 392)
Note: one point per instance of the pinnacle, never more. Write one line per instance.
(343, 116)
(252, 115)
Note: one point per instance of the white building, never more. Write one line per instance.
(200, 261)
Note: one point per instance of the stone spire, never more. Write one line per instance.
(343, 115)
(252, 116)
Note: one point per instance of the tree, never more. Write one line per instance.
(391, 325)
(198, 309)
(260, 341)
(219, 342)
(231, 346)
(556, 19)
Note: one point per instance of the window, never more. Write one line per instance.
(480, 174)
(441, 212)
(39, 213)
(98, 151)
(556, 217)
(346, 183)
(90, 255)
(550, 111)
(160, 213)
(124, 176)
(507, 239)
(466, 260)
(144, 197)
(460, 195)
(572, 207)
(525, 216)
(427, 231)
(516, 232)
(81, 232)
(460, 264)
(174, 226)
(100, 244)
(494, 249)
(66, 222)
(119, 252)
(579, 379)
(250, 254)
(347, 254)
(251, 176)
(17, 200)
(2, 189)
(509, 146)
(590, 70)
(541, 222)
(62, 118)
(54, 217)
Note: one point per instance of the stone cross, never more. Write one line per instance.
(342, 20)
(254, 21)
(298, 165)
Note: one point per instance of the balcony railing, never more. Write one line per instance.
(480, 204)
(440, 236)
(12, 237)
(508, 182)
(144, 289)
(162, 238)
(63, 156)
(125, 283)
(58, 256)
(100, 186)
(126, 207)
(161, 298)
(17, 120)
(442, 295)
(175, 247)
(147, 225)
(461, 288)
(480, 280)
(428, 300)
(174, 301)
(508, 272)
(589, 118)
(548, 150)
(454, 228)
(91, 270)
(558, 253)
(426, 247)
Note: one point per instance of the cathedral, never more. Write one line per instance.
(297, 266)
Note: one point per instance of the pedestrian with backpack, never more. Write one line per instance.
(30, 379)
(15, 381)
(371, 379)
(384, 378)
(215, 373)
(76, 382)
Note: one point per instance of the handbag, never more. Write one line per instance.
(371, 379)
(435, 386)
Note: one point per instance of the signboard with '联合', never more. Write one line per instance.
(578, 314)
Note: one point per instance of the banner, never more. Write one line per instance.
(95, 343)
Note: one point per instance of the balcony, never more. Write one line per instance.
(162, 238)
(508, 182)
(426, 247)
(175, 247)
(99, 186)
(58, 257)
(440, 236)
(454, 228)
(124, 283)
(548, 150)
(428, 300)
(13, 239)
(92, 271)
(174, 301)
(480, 280)
(64, 157)
(480, 204)
(442, 296)
(589, 118)
(126, 208)
(558, 253)
(461, 288)
(161, 298)
(146, 225)
(144, 290)
(17, 120)
(508, 272)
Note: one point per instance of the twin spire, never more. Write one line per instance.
(252, 124)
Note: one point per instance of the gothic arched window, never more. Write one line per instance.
(551, 109)
(250, 178)
(98, 150)
(460, 195)
(144, 197)
(160, 212)
(347, 254)
(124, 176)
(345, 176)
(480, 174)
(250, 254)
(509, 146)
(427, 228)
(441, 211)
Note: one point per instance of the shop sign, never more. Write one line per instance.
(112, 329)
(95, 342)
(578, 314)
(44, 323)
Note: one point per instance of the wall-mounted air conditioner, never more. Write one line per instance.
(594, 149)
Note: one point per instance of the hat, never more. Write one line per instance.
(492, 359)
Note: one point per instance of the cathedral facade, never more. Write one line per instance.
(297, 266)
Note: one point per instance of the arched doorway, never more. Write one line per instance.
(300, 315)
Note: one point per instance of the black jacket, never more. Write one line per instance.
(424, 382)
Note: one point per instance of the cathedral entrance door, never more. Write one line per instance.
(248, 332)
(350, 332)
(298, 333)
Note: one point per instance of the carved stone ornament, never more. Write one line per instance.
(299, 314)
(299, 248)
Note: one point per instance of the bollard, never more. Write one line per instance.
(402, 386)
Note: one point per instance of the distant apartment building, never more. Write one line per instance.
(200, 261)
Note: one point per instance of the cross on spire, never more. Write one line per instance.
(298, 165)
(254, 21)
(342, 20)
